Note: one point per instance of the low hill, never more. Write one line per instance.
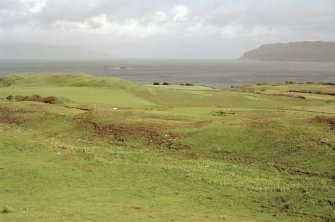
(293, 51)
(69, 79)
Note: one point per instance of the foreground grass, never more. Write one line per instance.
(112, 150)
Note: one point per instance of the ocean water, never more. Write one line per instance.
(216, 73)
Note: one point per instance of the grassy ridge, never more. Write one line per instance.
(113, 149)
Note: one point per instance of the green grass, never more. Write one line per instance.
(111, 150)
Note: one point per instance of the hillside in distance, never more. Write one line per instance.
(46, 51)
(293, 51)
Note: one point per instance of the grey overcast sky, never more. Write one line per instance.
(166, 28)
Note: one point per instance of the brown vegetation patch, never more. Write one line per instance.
(326, 119)
(6, 116)
(322, 83)
(300, 97)
(34, 98)
(263, 83)
(222, 113)
(290, 82)
(17, 116)
(329, 84)
(313, 92)
(120, 131)
(186, 84)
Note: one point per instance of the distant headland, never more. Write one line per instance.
(293, 51)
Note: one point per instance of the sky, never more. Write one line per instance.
(166, 28)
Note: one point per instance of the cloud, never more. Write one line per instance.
(33, 6)
(177, 28)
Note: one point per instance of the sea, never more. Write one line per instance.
(216, 73)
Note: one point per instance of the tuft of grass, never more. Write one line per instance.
(6, 210)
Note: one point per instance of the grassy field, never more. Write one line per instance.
(111, 150)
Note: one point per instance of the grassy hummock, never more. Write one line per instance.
(111, 150)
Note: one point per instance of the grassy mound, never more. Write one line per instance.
(73, 79)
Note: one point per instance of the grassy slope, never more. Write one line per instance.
(253, 153)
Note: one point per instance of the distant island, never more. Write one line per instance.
(293, 51)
